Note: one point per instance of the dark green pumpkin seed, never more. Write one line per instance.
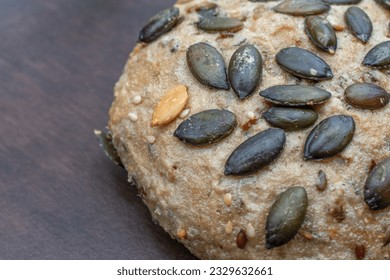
(256, 152)
(160, 24)
(245, 70)
(321, 33)
(366, 96)
(207, 65)
(329, 137)
(220, 24)
(322, 181)
(378, 56)
(206, 127)
(377, 187)
(384, 3)
(304, 64)
(295, 95)
(290, 119)
(105, 142)
(342, 2)
(359, 23)
(302, 7)
(286, 217)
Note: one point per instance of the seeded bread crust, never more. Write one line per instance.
(184, 187)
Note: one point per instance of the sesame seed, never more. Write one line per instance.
(157, 211)
(151, 139)
(184, 113)
(137, 100)
(250, 231)
(250, 115)
(181, 234)
(97, 132)
(229, 227)
(227, 198)
(133, 117)
(306, 234)
(313, 71)
(335, 23)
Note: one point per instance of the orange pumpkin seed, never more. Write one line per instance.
(170, 106)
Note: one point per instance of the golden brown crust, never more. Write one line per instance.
(184, 187)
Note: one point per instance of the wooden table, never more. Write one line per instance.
(60, 197)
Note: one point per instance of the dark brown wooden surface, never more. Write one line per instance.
(60, 197)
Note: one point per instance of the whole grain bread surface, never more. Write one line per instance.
(185, 187)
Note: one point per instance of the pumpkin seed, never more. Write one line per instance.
(302, 7)
(295, 95)
(256, 152)
(342, 2)
(321, 33)
(377, 186)
(170, 106)
(329, 137)
(290, 119)
(220, 24)
(286, 217)
(378, 56)
(384, 3)
(105, 142)
(207, 65)
(322, 181)
(304, 64)
(160, 24)
(359, 23)
(245, 70)
(241, 239)
(366, 96)
(206, 127)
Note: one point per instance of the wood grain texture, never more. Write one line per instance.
(60, 197)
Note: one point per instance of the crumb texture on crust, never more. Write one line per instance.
(185, 188)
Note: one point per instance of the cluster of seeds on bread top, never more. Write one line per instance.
(295, 104)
